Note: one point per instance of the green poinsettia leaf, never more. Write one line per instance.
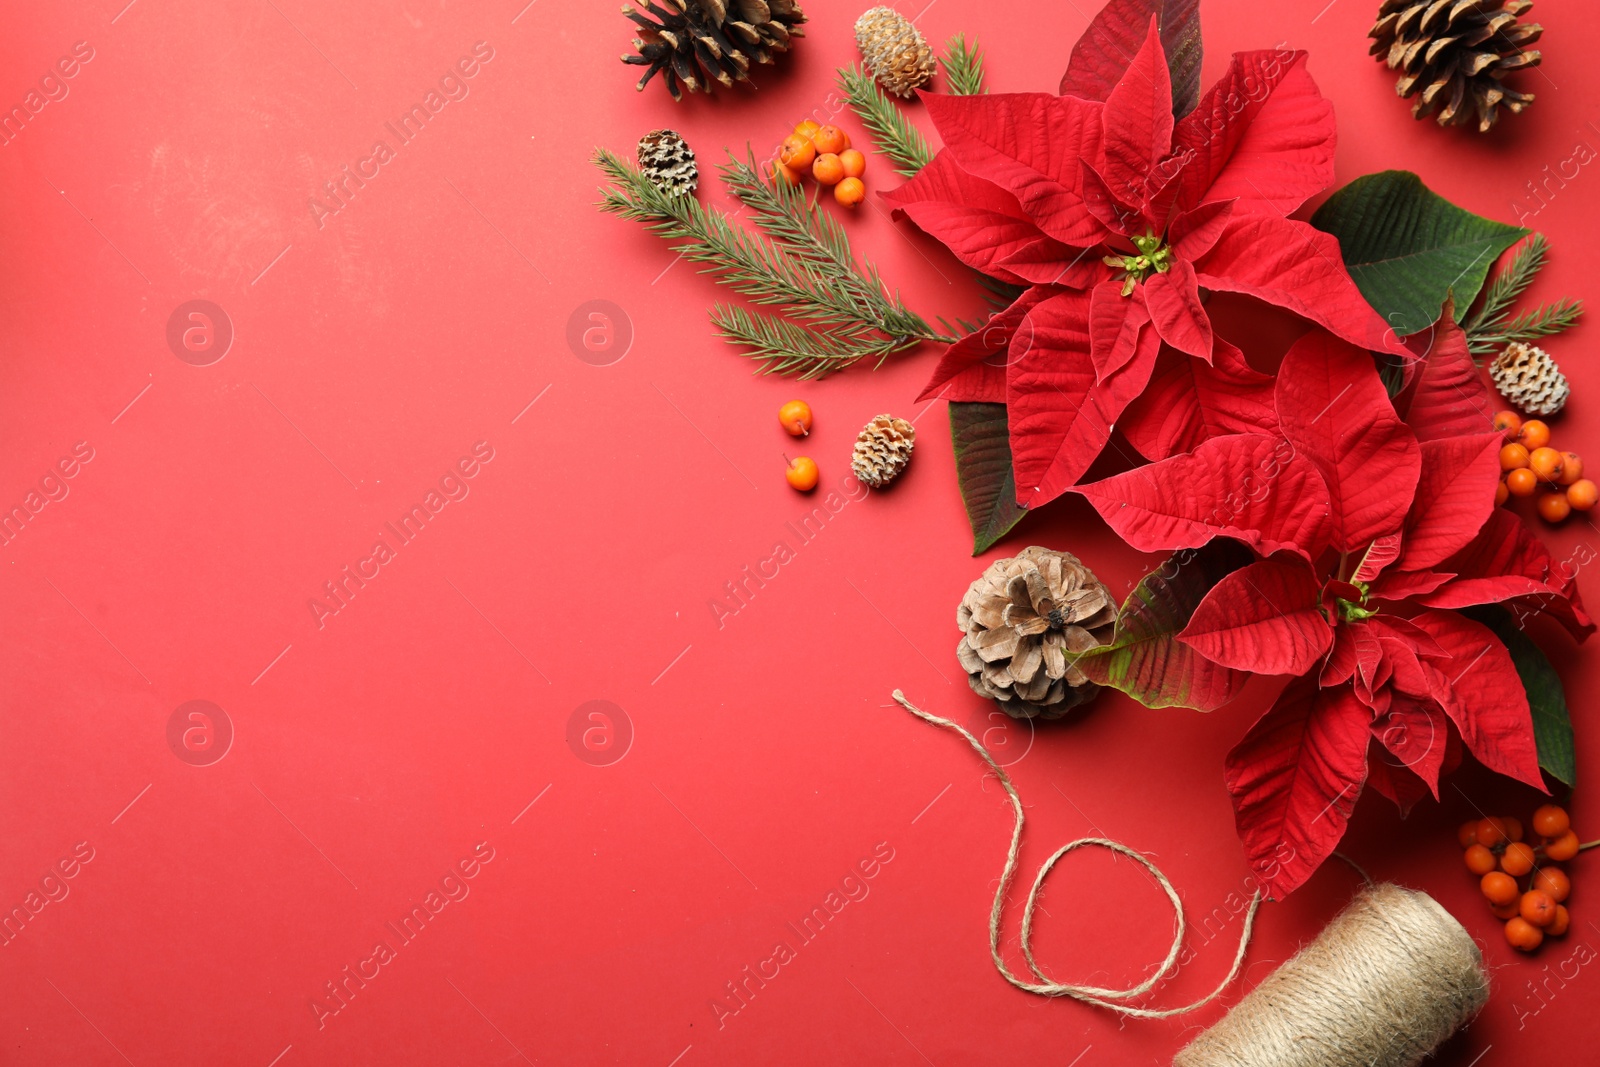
(983, 467)
(1552, 726)
(1145, 659)
(1409, 248)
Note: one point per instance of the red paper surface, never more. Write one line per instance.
(428, 724)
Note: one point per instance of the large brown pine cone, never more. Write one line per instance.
(696, 42)
(1451, 55)
(1021, 619)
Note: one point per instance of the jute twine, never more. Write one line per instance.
(1383, 985)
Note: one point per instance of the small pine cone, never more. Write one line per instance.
(1530, 379)
(1022, 620)
(695, 44)
(883, 449)
(668, 162)
(1454, 53)
(895, 51)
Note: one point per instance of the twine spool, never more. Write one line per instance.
(1384, 985)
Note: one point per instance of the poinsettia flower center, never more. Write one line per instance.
(1350, 600)
(1151, 253)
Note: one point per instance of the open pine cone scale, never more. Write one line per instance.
(1451, 55)
(693, 43)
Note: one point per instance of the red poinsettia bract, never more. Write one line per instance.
(1374, 530)
(1115, 216)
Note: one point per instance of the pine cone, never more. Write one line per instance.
(1454, 53)
(668, 162)
(697, 42)
(895, 51)
(1530, 379)
(1021, 620)
(883, 449)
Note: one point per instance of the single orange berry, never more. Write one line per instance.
(1498, 887)
(1537, 907)
(795, 418)
(1583, 494)
(850, 192)
(790, 176)
(1467, 834)
(1523, 935)
(1517, 860)
(1480, 861)
(1559, 924)
(1546, 463)
(802, 473)
(1513, 828)
(1522, 481)
(827, 169)
(1551, 820)
(1508, 423)
(1513, 457)
(1534, 434)
(809, 128)
(855, 164)
(1492, 832)
(1552, 880)
(1504, 911)
(1562, 848)
(1571, 468)
(1501, 494)
(797, 152)
(830, 140)
(1554, 507)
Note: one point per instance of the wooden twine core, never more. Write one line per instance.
(1384, 985)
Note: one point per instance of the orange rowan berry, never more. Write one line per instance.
(1554, 507)
(1513, 457)
(1501, 493)
(1571, 468)
(1534, 434)
(1559, 924)
(1583, 494)
(1517, 860)
(1504, 911)
(1492, 831)
(827, 169)
(797, 152)
(1522, 481)
(855, 164)
(1546, 463)
(802, 473)
(1537, 907)
(1480, 861)
(809, 128)
(1562, 848)
(1523, 935)
(1551, 820)
(1513, 828)
(789, 176)
(1467, 833)
(1498, 887)
(851, 191)
(1508, 423)
(1552, 880)
(795, 418)
(830, 140)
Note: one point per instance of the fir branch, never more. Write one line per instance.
(803, 266)
(1488, 328)
(1510, 283)
(1543, 321)
(963, 66)
(892, 132)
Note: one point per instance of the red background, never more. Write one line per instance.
(373, 753)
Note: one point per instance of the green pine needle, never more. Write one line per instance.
(893, 133)
(963, 66)
(1489, 329)
(836, 312)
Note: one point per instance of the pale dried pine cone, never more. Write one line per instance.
(895, 51)
(1528, 378)
(668, 162)
(1021, 621)
(883, 450)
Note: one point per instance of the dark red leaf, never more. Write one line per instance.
(1176, 311)
(1137, 121)
(1264, 618)
(1382, 552)
(1446, 396)
(1115, 322)
(1412, 736)
(1191, 401)
(1334, 409)
(1454, 498)
(1102, 54)
(1194, 233)
(1506, 562)
(1294, 780)
(985, 345)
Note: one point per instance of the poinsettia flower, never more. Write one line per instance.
(1373, 532)
(1117, 219)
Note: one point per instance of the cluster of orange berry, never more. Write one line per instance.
(1496, 852)
(795, 418)
(1527, 462)
(825, 152)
